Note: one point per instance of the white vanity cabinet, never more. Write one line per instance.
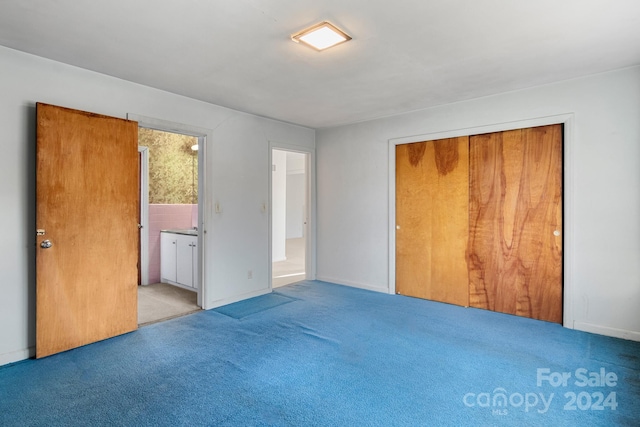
(179, 259)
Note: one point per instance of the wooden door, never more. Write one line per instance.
(432, 198)
(139, 210)
(515, 214)
(86, 203)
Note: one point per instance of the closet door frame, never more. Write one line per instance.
(568, 241)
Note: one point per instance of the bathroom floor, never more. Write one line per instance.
(161, 302)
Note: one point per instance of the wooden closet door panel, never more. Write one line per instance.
(432, 195)
(515, 216)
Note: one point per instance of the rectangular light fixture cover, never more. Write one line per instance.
(321, 36)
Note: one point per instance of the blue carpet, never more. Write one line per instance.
(251, 306)
(333, 356)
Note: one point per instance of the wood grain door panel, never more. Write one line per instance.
(87, 203)
(515, 214)
(432, 196)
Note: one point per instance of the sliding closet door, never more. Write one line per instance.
(515, 222)
(432, 197)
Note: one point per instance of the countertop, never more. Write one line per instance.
(187, 231)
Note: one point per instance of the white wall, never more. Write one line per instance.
(296, 184)
(603, 251)
(279, 206)
(295, 205)
(237, 159)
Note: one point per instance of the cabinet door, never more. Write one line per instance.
(184, 263)
(168, 248)
(194, 252)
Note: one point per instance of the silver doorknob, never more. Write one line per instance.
(46, 244)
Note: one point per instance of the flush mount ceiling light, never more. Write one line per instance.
(321, 36)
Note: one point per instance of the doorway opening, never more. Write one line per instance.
(289, 217)
(169, 207)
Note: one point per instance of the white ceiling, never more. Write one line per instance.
(405, 54)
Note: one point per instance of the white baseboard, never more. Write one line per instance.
(236, 298)
(17, 356)
(352, 284)
(604, 330)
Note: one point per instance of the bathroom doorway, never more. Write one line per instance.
(169, 249)
(289, 216)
